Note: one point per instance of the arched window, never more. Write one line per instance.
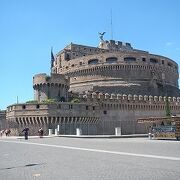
(129, 59)
(153, 60)
(170, 64)
(93, 61)
(111, 60)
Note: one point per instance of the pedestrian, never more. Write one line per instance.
(7, 132)
(26, 133)
(40, 131)
(2, 132)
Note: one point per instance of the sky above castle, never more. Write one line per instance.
(30, 28)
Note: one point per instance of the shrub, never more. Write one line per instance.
(31, 101)
(75, 100)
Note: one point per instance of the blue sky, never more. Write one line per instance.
(28, 29)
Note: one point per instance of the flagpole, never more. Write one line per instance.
(52, 58)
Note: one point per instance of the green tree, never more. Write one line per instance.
(167, 108)
(49, 101)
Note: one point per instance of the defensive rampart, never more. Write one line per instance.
(123, 110)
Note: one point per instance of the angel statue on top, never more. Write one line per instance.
(101, 36)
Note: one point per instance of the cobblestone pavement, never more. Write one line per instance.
(89, 159)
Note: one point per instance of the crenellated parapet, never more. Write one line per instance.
(44, 79)
(115, 45)
(135, 103)
(124, 98)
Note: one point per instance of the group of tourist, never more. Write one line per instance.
(7, 132)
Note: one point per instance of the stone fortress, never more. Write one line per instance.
(114, 84)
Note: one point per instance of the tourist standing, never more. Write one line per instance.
(26, 133)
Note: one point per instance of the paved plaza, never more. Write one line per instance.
(89, 159)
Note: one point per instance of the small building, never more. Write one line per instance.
(162, 127)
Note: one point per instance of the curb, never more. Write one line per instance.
(81, 136)
(105, 136)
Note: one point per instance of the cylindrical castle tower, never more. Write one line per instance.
(46, 87)
(117, 68)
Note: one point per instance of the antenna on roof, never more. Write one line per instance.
(17, 100)
(111, 26)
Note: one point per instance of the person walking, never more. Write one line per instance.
(7, 132)
(26, 133)
(40, 131)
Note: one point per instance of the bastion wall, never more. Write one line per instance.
(68, 115)
(124, 110)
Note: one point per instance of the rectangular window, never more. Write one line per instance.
(67, 57)
(144, 59)
(86, 107)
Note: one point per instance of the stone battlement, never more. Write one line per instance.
(124, 98)
(115, 45)
(43, 78)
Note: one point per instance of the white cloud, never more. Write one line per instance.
(177, 49)
(169, 43)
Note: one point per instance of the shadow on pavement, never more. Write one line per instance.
(27, 165)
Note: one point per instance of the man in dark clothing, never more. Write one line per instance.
(25, 133)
